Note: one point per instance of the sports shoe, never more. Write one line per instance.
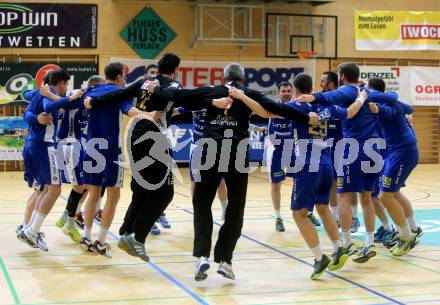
(164, 222)
(36, 241)
(365, 254)
(279, 226)
(60, 222)
(73, 233)
(98, 215)
(402, 247)
(155, 230)
(124, 245)
(381, 234)
(24, 239)
(338, 259)
(137, 248)
(79, 220)
(225, 270)
(355, 224)
(314, 220)
(101, 249)
(352, 249)
(391, 240)
(417, 235)
(202, 265)
(319, 267)
(86, 244)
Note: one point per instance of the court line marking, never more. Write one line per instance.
(161, 271)
(9, 282)
(377, 293)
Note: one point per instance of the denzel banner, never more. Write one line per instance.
(48, 25)
(397, 30)
(18, 77)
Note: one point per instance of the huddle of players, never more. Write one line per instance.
(311, 187)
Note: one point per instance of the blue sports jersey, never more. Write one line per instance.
(279, 128)
(394, 125)
(73, 121)
(43, 134)
(313, 134)
(198, 124)
(106, 122)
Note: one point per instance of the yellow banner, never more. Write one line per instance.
(397, 30)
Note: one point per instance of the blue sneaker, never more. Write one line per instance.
(164, 222)
(155, 230)
(388, 233)
(378, 235)
(136, 248)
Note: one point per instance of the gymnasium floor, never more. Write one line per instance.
(271, 267)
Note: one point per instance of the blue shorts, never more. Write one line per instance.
(312, 188)
(354, 180)
(111, 175)
(28, 176)
(398, 167)
(71, 167)
(332, 155)
(274, 156)
(44, 165)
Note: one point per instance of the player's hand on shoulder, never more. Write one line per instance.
(76, 95)
(305, 98)
(45, 91)
(313, 118)
(363, 93)
(373, 107)
(88, 102)
(44, 118)
(222, 103)
(151, 85)
(236, 93)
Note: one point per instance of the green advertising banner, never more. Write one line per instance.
(147, 34)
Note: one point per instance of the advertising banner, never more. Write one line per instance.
(12, 133)
(48, 25)
(397, 30)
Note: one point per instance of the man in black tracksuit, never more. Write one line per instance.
(152, 182)
(229, 131)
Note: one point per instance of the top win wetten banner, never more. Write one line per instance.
(397, 30)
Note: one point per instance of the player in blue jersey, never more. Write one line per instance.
(401, 158)
(42, 150)
(329, 82)
(314, 176)
(358, 132)
(103, 161)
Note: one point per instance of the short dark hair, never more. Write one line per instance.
(350, 70)
(332, 77)
(284, 84)
(58, 76)
(46, 77)
(303, 83)
(149, 67)
(376, 83)
(113, 70)
(168, 63)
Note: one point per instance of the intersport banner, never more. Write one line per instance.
(419, 86)
(397, 30)
(263, 76)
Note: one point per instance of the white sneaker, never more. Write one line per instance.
(37, 240)
(225, 269)
(202, 266)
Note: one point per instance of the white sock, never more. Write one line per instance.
(412, 223)
(354, 210)
(346, 238)
(277, 214)
(335, 212)
(64, 216)
(387, 226)
(35, 227)
(31, 220)
(224, 204)
(102, 237)
(369, 239)
(317, 252)
(70, 222)
(87, 233)
(404, 232)
(336, 245)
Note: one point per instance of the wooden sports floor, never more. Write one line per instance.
(271, 267)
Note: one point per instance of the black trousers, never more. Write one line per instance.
(204, 194)
(152, 187)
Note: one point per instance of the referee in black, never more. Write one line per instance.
(228, 129)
